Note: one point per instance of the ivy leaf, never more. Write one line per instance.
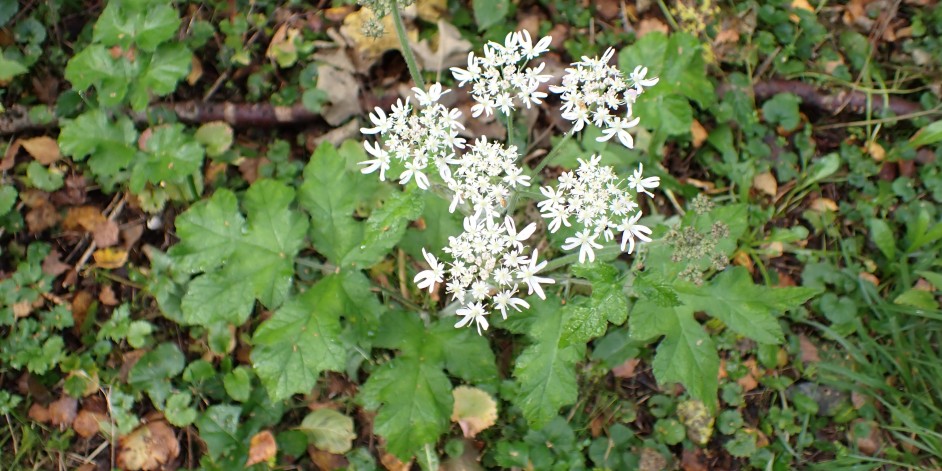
(329, 430)
(259, 263)
(111, 145)
(300, 341)
(746, 308)
(414, 401)
(546, 371)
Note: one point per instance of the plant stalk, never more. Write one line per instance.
(406, 49)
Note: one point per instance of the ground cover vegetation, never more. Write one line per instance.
(495, 234)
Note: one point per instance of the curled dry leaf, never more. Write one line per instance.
(627, 369)
(699, 133)
(340, 86)
(474, 410)
(765, 182)
(83, 218)
(148, 447)
(107, 296)
(449, 49)
(87, 423)
(52, 264)
(110, 258)
(81, 302)
(41, 216)
(44, 149)
(650, 25)
(39, 413)
(823, 205)
(62, 411)
(808, 351)
(262, 447)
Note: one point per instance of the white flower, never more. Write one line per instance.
(528, 275)
(631, 230)
(484, 176)
(505, 299)
(585, 240)
(620, 127)
(640, 184)
(435, 273)
(517, 238)
(473, 312)
(637, 76)
(381, 162)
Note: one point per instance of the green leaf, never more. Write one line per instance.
(152, 373)
(7, 10)
(489, 12)
(242, 261)
(219, 429)
(238, 384)
(917, 298)
(111, 145)
(10, 68)
(146, 25)
(743, 306)
(414, 401)
(178, 411)
(216, 137)
(171, 156)
(329, 430)
(928, 135)
(688, 356)
(385, 227)
(546, 371)
(300, 341)
(671, 114)
(677, 60)
(43, 178)
(782, 109)
(8, 195)
(94, 66)
(167, 66)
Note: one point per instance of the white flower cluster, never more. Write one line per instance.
(593, 91)
(500, 76)
(595, 197)
(484, 176)
(418, 140)
(487, 269)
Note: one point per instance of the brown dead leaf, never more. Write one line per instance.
(262, 447)
(865, 434)
(371, 48)
(326, 461)
(766, 183)
(81, 302)
(823, 205)
(699, 133)
(83, 218)
(876, 151)
(774, 249)
(148, 447)
(43, 148)
(858, 400)
(87, 423)
(107, 296)
(213, 170)
(131, 234)
(694, 460)
(391, 463)
(196, 71)
(52, 264)
(9, 157)
(869, 277)
(626, 370)
(39, 413)
(22, 309)
(742, 259)
(450, 49)
(727, 36)
(799, 5)
(808, 352)
(41, 217)
(431, 10)
(62, 412)
(650, 25)
(249, 168)
(110, 258)
(340, 86)
(106, 234)
(283, 43)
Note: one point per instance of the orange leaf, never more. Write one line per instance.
(110, 258)
(44, 149)
(262, 447)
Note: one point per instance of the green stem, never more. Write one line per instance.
(549, 157)
(574, 257)
(406, 49)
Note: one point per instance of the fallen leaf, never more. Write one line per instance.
(196, 71)
(9, 157)
(39, 413)
(110, 258)
(876, 151)
(370, 48)
(41, 217)
(774, 249)
(697, 419)
(326, 461)
(81, 302)
(727, 35)
(699, 133)
(131, 234)
(62, 412)
(865, 435)
(469, 460)
(431, 10)
(329, 430)
(693, 460)
(800, 5)
(822, 205)
(627, 369)
(44, 149)
(869, 277)
(808, 352)
(106, 234)
(474, 410)
(651, 460)
(340, 86)
(282, 48)
(650, 25)
(742, 259)
(450, 49)
(262, 447)
(22, 309)
(148, 447)
(107, 296)
(83, 218)
(88, 423)
(392, 463)
(52, 264)
(765, 182)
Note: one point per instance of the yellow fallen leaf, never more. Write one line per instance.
(765, 182)
(876, 151)
(474, 410)
(800, 5)
(699, 133)
(43, 148)
(110, 258)
(148, 447)
(822, 205)
(262, 447)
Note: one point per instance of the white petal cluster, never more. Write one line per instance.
(500, 79)
(421, 140)
(595, 198)
(594, 92)
(488, 269)
(485, 176)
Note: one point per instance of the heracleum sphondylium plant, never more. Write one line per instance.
(490, 264)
